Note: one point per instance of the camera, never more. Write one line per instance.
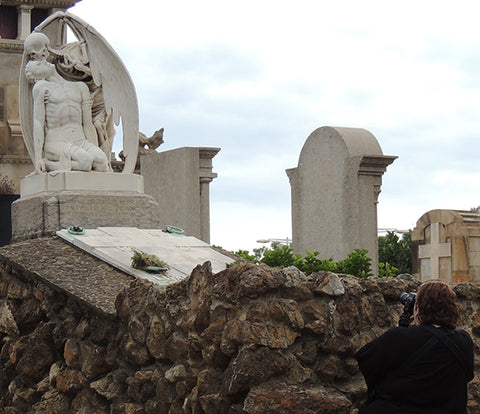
(407, 299)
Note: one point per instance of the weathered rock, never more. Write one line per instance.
(22, 396)
(214, 403)
(155, 340)
(70, 380)
(209, 381)
(295, 400)
(176, 373)
(239, 332)
(93, 360)
(137, 330)
(136, 353)
(37, 358)
(476, 323)
(127, 408)
(83, 328)
(329, 284)
(71, 354)
(176, 347)
(140, 390)
(8, 325)
(166, 390)
(253, 365)
(52, 402)
(293, 283)
(156, 407)
(112, 386)
(88, 402)
(17, 289)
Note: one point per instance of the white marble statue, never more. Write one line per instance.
(71, 94)
(64, 137)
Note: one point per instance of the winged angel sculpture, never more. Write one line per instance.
(71, 95)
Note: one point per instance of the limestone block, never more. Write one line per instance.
(47, 212)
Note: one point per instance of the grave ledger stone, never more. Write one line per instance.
(446, 246)
(335, 190)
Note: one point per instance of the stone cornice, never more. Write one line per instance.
(11, 46)
(375, 165)
(50, 3)
(14, 159)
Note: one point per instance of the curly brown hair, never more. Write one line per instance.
(437, 304)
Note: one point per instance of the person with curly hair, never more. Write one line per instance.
(423, 366)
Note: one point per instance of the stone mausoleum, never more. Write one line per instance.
(446, 246)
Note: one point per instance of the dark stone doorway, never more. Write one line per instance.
(6, 201)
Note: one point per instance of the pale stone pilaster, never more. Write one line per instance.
(206, 177)
(24, 21)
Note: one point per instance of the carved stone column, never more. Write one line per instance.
(24, 21)
(206, 177)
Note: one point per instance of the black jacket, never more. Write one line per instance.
(402, 380)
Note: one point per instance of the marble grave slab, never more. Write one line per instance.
(115, 245)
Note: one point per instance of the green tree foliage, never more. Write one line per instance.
(395, 252)
(280, 256)
(311, 263)
(356, 263)
(386, 270)
(394, 257)
(246, 255)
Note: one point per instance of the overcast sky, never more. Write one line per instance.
(257, 77)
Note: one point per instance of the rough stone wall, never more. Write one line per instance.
(250, 339)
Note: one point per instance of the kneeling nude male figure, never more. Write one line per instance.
(63, 133)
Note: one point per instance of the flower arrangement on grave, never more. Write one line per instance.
(148, 262)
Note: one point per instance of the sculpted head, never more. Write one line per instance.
(36, 46)
(36, 70)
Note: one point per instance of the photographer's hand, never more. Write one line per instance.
(405, 319)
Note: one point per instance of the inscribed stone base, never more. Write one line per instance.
(80, 181)
(45, 213)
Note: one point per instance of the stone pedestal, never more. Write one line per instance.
(50, 202)
(335, 192)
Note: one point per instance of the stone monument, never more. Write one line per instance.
(69, 100)
(446, 246)
(335, 192)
